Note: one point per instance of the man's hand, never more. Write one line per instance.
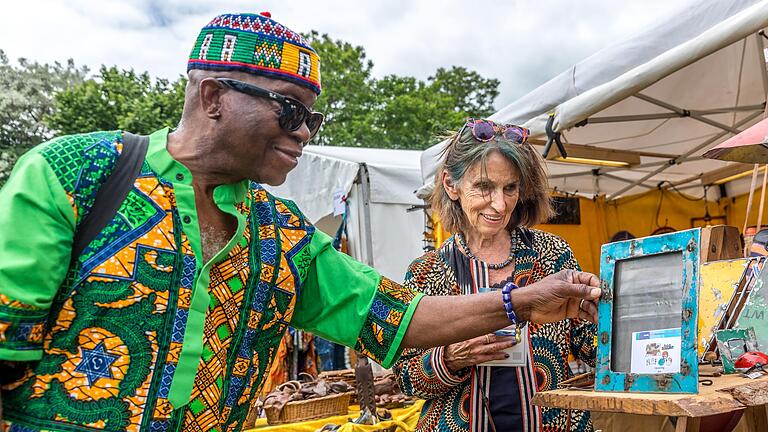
(566, 294)
(475, 351)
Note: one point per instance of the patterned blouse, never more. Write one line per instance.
(454, 401)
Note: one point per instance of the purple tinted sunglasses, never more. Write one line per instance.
(486, 130)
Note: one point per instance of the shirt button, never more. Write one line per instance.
(179, 176)
(187, 219)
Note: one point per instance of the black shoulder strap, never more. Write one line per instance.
(113, 192)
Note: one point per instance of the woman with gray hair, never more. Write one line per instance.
(489, 191)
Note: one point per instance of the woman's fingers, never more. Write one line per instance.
(491, 343)
(500, 346)
(496, 338)
(480, 340)
(484, 357)
(481, 349)
(493, 338)
(500, 355)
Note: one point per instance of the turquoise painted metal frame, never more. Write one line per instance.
(687, 380)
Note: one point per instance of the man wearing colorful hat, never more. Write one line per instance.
(170, 317)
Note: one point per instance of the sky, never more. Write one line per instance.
(523, 43)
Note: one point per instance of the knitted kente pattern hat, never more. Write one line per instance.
(256, 44)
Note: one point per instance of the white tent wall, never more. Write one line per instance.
(379, 184)
(394, 234)
(406, 236)
(313, 182)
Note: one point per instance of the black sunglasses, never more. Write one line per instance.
(293, 113)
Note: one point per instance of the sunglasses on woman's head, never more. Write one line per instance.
(293, 113)
(486, 130)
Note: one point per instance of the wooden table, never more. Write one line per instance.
(727, 393)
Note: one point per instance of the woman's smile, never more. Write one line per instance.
(492, 219)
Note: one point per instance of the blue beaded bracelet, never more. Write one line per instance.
(506, 296)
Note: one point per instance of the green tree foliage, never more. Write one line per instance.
(394, 111)
(347, 96)
(119, 99)
(26, 98)
(467, 90)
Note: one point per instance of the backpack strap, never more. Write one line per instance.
(113, 192)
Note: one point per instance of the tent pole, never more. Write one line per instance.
(762, 198)
(603, 171)
(686, 113)
(617, 178)
(661, 116)
(672, 161)
(751, 196)
(684, 155)
(365, 225)
(680, 184)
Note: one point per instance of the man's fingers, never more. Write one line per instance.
(586, 278)
(588, 311)
(587, 316)
(582, 291)
(589, 307)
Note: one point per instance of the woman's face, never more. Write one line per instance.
(487, 196)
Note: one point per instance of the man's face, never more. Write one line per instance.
(259, 148)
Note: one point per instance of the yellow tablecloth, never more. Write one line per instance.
(404, 418)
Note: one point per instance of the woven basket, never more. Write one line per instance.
(311, 409)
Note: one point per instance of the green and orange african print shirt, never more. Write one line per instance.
(138, 333)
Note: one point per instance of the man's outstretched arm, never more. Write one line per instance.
(443, 320)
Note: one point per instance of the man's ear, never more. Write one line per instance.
(210, 97)
(450, 187)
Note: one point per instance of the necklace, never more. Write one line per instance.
(506, 262)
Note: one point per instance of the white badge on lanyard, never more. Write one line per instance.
(518, 354)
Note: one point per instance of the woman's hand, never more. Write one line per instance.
(565, 294)
(475, 351)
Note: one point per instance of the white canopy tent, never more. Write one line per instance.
(379, 185)
(686, 83)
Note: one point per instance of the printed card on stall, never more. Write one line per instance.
(656, 351)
